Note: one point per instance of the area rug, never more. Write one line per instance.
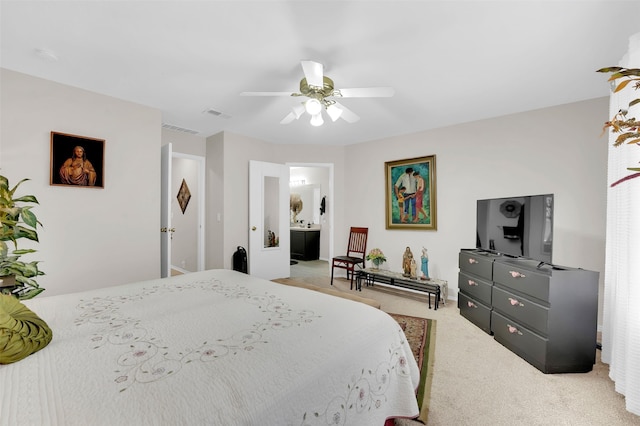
(421, 333)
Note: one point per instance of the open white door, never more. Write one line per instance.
(269, 253)
(187, 241)
(165, 211)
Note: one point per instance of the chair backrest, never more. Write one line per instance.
(357, 242)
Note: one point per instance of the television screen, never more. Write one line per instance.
(516, 226)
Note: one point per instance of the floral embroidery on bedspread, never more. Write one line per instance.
(145, 359)
(365, 391)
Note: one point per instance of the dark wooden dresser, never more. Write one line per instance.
(545, 314)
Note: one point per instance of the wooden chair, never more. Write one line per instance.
(355, 253)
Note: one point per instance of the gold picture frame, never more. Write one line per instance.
(410, 201)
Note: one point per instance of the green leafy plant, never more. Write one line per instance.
(18, 221)
(628, 128)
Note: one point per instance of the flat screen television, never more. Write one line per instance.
(516, 226)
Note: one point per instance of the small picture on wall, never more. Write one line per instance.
(411, 193)
(76, 161)
(184, 195)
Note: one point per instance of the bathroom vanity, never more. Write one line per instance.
(305, 243)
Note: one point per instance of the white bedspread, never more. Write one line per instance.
(216, 348)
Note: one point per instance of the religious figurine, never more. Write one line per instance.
(425, 264)
(406, 262)
(414, 268)
(272, 240)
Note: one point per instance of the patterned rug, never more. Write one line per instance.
(421, 333)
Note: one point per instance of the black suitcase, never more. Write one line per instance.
(240, 260)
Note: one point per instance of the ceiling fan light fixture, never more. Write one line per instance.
(316, 120)
(320, 92)
(313, 106)
(334, 112)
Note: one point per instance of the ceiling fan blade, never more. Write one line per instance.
(347, 115)
(367, 92)
(267, 94)
(298, 110)
(313, 72)
(295, 113)
(289, 118)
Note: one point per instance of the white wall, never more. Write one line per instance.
(554, 150)
(91, 237)
(233, 158)
(214, 211)
(184, 143)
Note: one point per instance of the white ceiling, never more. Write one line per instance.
(448, 61)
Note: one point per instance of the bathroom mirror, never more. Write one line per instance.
(305, 204)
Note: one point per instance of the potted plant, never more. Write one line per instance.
(376, 256)
(18, 221)
(627, 127)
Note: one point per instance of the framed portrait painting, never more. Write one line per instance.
(411, 193)
(76, 161)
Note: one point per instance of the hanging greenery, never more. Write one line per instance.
(627, 128)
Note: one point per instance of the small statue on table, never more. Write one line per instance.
(425, 265)
(414, 268)
(407, 257)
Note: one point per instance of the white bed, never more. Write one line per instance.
(215, 347)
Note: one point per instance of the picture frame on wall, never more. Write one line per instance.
(411, 193)
(184, 195)
(76, 161)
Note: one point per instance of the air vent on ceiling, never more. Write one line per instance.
(179, 129)
(217, 113)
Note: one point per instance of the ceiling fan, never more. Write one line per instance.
(322, 95)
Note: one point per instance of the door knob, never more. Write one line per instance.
(253, 228)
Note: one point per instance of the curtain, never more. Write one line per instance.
(621, 313)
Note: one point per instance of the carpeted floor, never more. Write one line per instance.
(478, 382)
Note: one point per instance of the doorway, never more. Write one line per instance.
(187, 213)
(181, 190)
(315, 180)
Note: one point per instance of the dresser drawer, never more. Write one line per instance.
(475, 287)
(475, 312)
(476, 264)
(517, 338)
(526, 312)
(522, 280)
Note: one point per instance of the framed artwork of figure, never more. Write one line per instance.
(411, 193)
(76, 161)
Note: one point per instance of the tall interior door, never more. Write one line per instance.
(269, 253)
(165, 211)
(169, 205)
(187, 212)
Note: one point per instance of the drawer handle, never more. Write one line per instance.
(472, 305)
(515, 302)
(472, 283)
(516, 274)
(513, 330)
(472, 260)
